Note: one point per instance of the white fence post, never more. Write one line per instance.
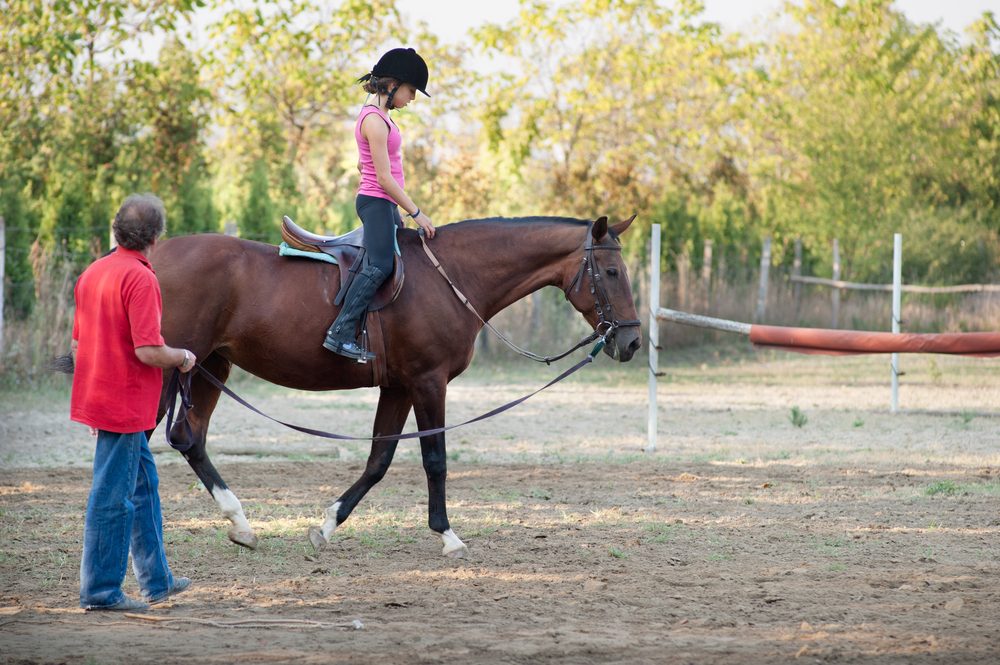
(654, 333)
(897, 291)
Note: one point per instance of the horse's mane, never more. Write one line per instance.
(522, 220)
(536, 219)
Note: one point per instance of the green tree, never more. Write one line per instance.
(614, 106)
(20, 226)
(169, 158)
(65, 114)
(285, 74)
(256, 219)
(868, 123)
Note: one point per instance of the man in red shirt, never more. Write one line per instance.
(119, 355)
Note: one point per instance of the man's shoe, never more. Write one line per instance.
(348, 349)
(180, 584)
(126, 604)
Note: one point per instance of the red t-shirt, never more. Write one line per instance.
(118, 309)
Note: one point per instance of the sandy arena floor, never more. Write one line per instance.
(861, 536)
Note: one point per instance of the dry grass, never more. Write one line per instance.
(30, 344)
(546, 323)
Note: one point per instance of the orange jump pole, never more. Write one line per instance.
(845, 342)
(829, 342)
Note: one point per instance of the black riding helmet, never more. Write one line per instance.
(402, 64)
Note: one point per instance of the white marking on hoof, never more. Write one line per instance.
(453, 545)
(320, 537)
(247, 539)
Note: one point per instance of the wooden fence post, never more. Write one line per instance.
(683, 273)
(765, 267)
(536, 311)
(797, 272)
(706, 277)
(835, 293)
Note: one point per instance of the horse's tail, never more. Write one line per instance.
(62, 364)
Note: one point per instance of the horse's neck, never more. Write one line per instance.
(513, 259)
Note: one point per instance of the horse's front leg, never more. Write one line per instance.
(393, 408)
(428, 403)
(205, 397)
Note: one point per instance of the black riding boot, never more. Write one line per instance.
(341, 337)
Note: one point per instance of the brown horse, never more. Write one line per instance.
(235, 301)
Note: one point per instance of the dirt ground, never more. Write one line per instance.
(859, 537)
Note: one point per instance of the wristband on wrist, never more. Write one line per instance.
(185, 361)
(415, 214)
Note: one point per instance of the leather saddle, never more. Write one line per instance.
(349, 252)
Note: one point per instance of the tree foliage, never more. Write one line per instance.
(842, 120)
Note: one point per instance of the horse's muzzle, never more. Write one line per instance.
(624, 343)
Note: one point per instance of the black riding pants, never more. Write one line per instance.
(380, 218)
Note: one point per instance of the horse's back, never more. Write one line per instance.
(203, 253)
(205, 261)
(240, 298)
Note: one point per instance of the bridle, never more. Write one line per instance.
(607, 324)
(602, 303)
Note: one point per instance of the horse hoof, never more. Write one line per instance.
(246, 539)
(453, 545)
(319, 543)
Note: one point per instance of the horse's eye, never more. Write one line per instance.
(612, 272)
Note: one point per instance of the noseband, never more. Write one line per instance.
(602, 304)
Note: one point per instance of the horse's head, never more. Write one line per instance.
(600, 289)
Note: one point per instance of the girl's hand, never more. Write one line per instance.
(424, 222)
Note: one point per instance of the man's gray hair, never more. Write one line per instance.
(139, 221)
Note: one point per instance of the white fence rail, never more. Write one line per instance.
(657, 313)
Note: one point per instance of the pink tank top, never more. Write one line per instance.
(369, 181)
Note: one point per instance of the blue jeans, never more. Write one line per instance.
(123, 509)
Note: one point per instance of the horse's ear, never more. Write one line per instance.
(600, 228)
(622, 226)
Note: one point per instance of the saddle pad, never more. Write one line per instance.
(284, 249)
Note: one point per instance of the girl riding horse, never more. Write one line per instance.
(394, 80)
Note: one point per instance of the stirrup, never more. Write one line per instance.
(348, 349)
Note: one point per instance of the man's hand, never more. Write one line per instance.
(189, 362)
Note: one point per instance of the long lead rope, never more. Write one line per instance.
(180, 385)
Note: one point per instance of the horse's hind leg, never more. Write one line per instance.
(204, 397)
(393, 407)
